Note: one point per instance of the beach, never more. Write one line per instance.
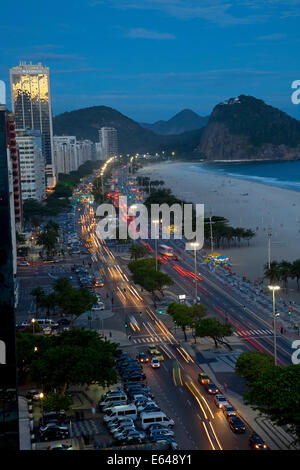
(245, 204)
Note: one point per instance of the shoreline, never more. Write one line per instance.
(247, 204)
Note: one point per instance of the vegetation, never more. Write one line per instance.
(75, 357)
(282, 271)
(145, 274)
(137, 251)
(70, 300)
(215, 329)
(273, 390)
(56, 401)
(48, 238)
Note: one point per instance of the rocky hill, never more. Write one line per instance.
(246, 128)
(186, 120)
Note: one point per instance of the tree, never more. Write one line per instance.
(39, 294)
(198, 311)
(276, 394)
(49, 302)
(73, 301)
(148, 263)
(272, 273)
(48, 240)
(285, 271)
(215, 329)
(20, 238)
(295, 271)
(74, 357)
(137, 251)
(57, 401)
(181, 315)
(252, 365)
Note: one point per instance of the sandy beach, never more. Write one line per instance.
(245, 204)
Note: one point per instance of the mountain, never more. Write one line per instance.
(186, 120)
(246, 128)
(132, 137)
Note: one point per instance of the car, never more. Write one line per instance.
(122, 425)
(142, 358)
(121, 430)
(155, 362)
(153, 350)
(159, 355)
(203, 378)
(63, 321)
(24, 263)
(256, 442)
(228, 411)
(162, 431)
(58, 417)
(144, 406)
(236, 424)
(98, 306)
(53, 431)
(211, 388)
(131, 436)
(151, 408)
(115, 423)
(220, 400)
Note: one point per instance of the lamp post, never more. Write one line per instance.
(211, 233)
(33, 322)
(195, 245)
(156, 222)
(274, 289)
(269, 247)
(41, 396)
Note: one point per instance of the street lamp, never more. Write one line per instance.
(274, 289)
(211, 233)
(195, 245)
(41, 396)
(156, 222)
(33, 322)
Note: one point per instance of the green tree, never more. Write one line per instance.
(276, 394)
(198, 311)
(137, 251)
(38, 294)
(285, 270)
(20, 238)
(272, 273)
(74, 357)
(215, 329)
(49, 302)
(181, 315)
(252, 365)
(295, 271)
(57, 401)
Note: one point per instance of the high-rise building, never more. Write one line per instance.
(65, 154)
(108, 137)
(15, 160)
(84, 151)
(31, 105)
(9, 430)
(32, 164)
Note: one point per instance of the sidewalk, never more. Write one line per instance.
(275, 437)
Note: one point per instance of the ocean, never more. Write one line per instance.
(282, 174)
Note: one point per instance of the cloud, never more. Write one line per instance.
(147, 34)
(44, 56)
(221, 12)
(271, 37)
(75, 71)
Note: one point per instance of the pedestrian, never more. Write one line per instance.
(110, 334)
(225, 386)
(105, 338)
(93, 408)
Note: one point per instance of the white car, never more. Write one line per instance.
(220, 401)
(155, 362)
(98, 306)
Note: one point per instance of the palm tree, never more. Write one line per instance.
(285, 271)
(272, 273)
(295, 271)
(39, 295)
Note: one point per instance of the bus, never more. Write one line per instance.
(133, 323)
(167, 251)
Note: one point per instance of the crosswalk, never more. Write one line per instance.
(148, 339)
(253, 333)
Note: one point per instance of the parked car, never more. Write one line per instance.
(53, 431)
(256, 442)
(228, 411)
(211, 388)
(236, 424)
(153, 350)
(220, 401)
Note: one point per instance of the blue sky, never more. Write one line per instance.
(152, 58)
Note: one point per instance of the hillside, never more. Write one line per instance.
(247, 128)
(184, 121)
(84, 124)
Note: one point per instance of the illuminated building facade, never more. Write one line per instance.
(31, 104)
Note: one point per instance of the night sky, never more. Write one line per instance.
(152, 58)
